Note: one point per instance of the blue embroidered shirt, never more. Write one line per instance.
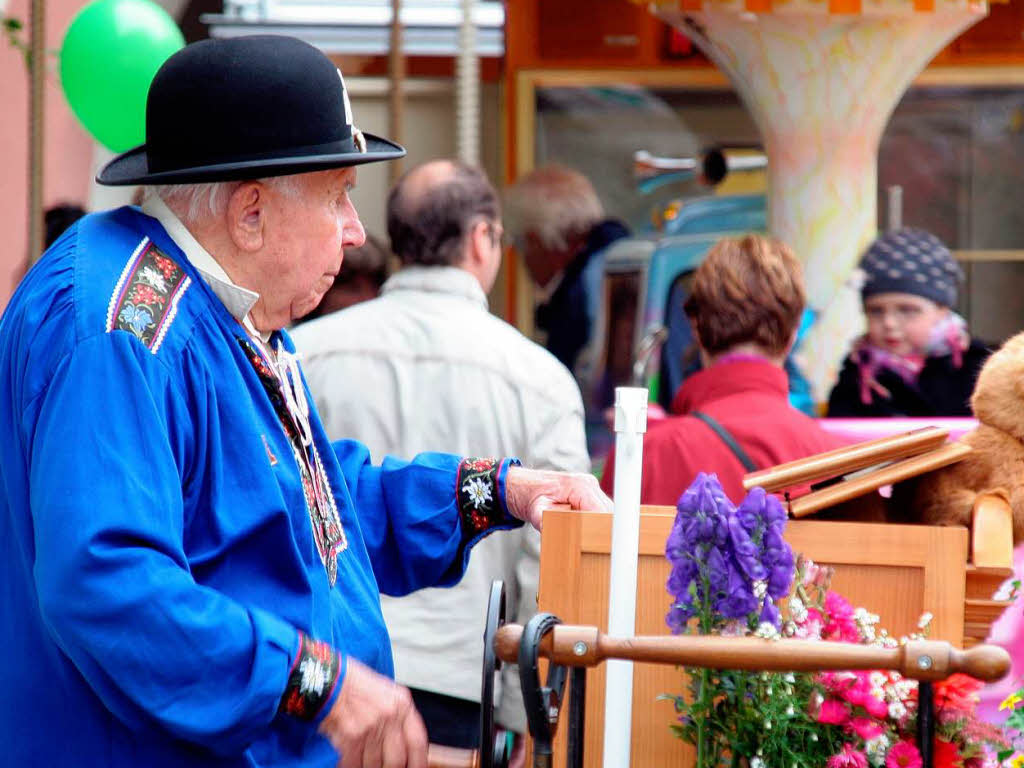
(185, 576)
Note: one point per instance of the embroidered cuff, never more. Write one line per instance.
(312, 679)
(481, 497)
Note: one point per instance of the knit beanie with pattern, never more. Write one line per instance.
(913, 261)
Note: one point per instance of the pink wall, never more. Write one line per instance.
(67, 148)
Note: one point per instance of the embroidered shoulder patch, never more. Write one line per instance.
(311, 680)
(146, 297)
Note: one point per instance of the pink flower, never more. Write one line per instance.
(858, 690)
(865, 727)
(903, 755)
(810, 573)
(841, 625)
(848, 758)
(834, 712)
(875, 707)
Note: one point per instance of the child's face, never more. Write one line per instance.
(902, 323)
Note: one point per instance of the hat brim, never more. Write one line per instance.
(132, 167)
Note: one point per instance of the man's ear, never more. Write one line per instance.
(480, 244)
(246, 216)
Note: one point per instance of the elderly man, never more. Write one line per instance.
(426, 365)
(559, 227)
(192, 570)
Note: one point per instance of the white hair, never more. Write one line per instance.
(553, 202)
(195, 202)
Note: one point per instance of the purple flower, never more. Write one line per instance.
(729, 563)
(769, 613)
(717, 572)
(780, 577)
(677, 618)
(744, 550)
(679, 580)
(739, 599)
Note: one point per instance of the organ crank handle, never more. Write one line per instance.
(580, 646)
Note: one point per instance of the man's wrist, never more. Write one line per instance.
(313, 680)
(481, 491)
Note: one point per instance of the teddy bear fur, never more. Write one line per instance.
(996, 465)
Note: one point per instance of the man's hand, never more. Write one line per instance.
(528, 492)
(373, 723)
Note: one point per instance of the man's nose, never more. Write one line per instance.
(354, 235)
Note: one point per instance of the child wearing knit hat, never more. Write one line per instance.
(917, 358)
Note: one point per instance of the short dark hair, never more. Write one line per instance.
(747, 290)
(430, 228)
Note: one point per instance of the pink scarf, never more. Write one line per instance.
(949, 337)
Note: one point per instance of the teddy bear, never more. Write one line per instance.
(996, 464)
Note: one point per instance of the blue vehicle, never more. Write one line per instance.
(641, 336)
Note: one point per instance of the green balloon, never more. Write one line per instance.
(111, 52)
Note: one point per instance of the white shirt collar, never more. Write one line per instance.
(238, 300)
(437, 279)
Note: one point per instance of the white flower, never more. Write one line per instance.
(877, 679)
(897, 711)
(479, 492)
(814, 737)
(789, 677)
(734, 628)
(797, 609)
(767, 630)
(926, 619)
(767, 725)
(149, 275)
(760, 589)
(756, 762)
(876, 749)
(790, 711)
(314, 676)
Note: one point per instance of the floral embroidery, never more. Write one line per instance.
(165, 265)
(321, 507)
(143, 294)
(478, 491)
(146, 298)
(479, 507)
(311, 680)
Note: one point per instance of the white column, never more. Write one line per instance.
(630, 426)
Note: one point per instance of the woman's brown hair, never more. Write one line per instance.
(748, 290)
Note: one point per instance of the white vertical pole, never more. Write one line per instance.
(630, 425)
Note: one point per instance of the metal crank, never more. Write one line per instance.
(542, 702)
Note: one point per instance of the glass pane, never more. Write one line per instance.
(954, 151)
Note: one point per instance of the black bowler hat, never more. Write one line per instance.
(246, 108)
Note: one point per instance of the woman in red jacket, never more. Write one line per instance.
(734, 415)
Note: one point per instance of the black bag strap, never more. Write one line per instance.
(728, 439)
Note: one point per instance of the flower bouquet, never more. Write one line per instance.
(734, 574)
